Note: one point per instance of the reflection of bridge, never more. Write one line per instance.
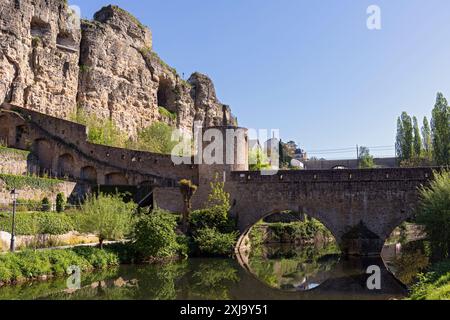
(346, 281)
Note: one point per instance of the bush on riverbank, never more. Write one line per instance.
(433, 285)
(212, 242)
(213, 231)
(434, 214)
(154, 235)
(298, 231)
(27, 265)
(33, 223)
(107, 216)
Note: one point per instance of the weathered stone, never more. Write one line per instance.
(108, 69)
(39, 45)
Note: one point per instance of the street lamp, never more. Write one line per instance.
(14, 195)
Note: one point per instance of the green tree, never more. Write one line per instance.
(45, 205)
(408, 137)
(427, 139)
(156, 138)
(399, 140)
(365, 159)
(434, 214)
(258, 160)
(188, 190)
(107, 216)
(60, 202)
(100, 131)
(154, 235)
(440, 126)
(417, 139)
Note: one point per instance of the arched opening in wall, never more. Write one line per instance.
(39, 28)
(43, 151)
(5, 132)
(116, 179)
(291, 251)
(405, 252)
(165, 95)
(21, 132)
(89, 174)
(66, 165)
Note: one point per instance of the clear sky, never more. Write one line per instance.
(310, 68)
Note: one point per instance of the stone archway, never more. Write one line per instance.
(116, 179)
(246, 225)
(66, 165)
(89, 174)
(5, 131)
(43, 150)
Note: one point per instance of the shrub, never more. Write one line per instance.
(100, 131)
(32, 264)
(60, 202)
(45, 205)
(21, 182)
(156, 138)
(39, 223)
(154, 235)
(214, 243)
(107, 216)
(168, 114)
(99, 259)
(434, 285)
(434, 214)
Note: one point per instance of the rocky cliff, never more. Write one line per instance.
(53, 63)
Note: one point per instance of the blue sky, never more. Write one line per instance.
(310, 68)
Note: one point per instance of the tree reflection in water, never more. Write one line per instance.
(293, 268)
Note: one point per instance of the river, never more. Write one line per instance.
(271, 272)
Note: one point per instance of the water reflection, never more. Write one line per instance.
(293, 268)
(282, 272)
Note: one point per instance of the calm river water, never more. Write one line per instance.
(272, 272)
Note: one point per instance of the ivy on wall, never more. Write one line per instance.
(15, 152)
(21, 182)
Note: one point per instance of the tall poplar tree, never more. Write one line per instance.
(417, 139)
(399, 140)
(408, 137)
(440, 127)
(426, 139)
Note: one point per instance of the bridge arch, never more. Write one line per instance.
(243, 244)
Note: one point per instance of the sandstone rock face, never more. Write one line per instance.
(39, 45)
(106, 67)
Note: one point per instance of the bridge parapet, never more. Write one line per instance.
(345, 176)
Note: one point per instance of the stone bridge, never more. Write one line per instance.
(361, 208)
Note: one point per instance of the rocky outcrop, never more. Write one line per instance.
(51, 63)
(39, 43)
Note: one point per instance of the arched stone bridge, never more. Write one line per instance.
(361, 208)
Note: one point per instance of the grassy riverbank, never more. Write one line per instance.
(32, 265)
(433, 285)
